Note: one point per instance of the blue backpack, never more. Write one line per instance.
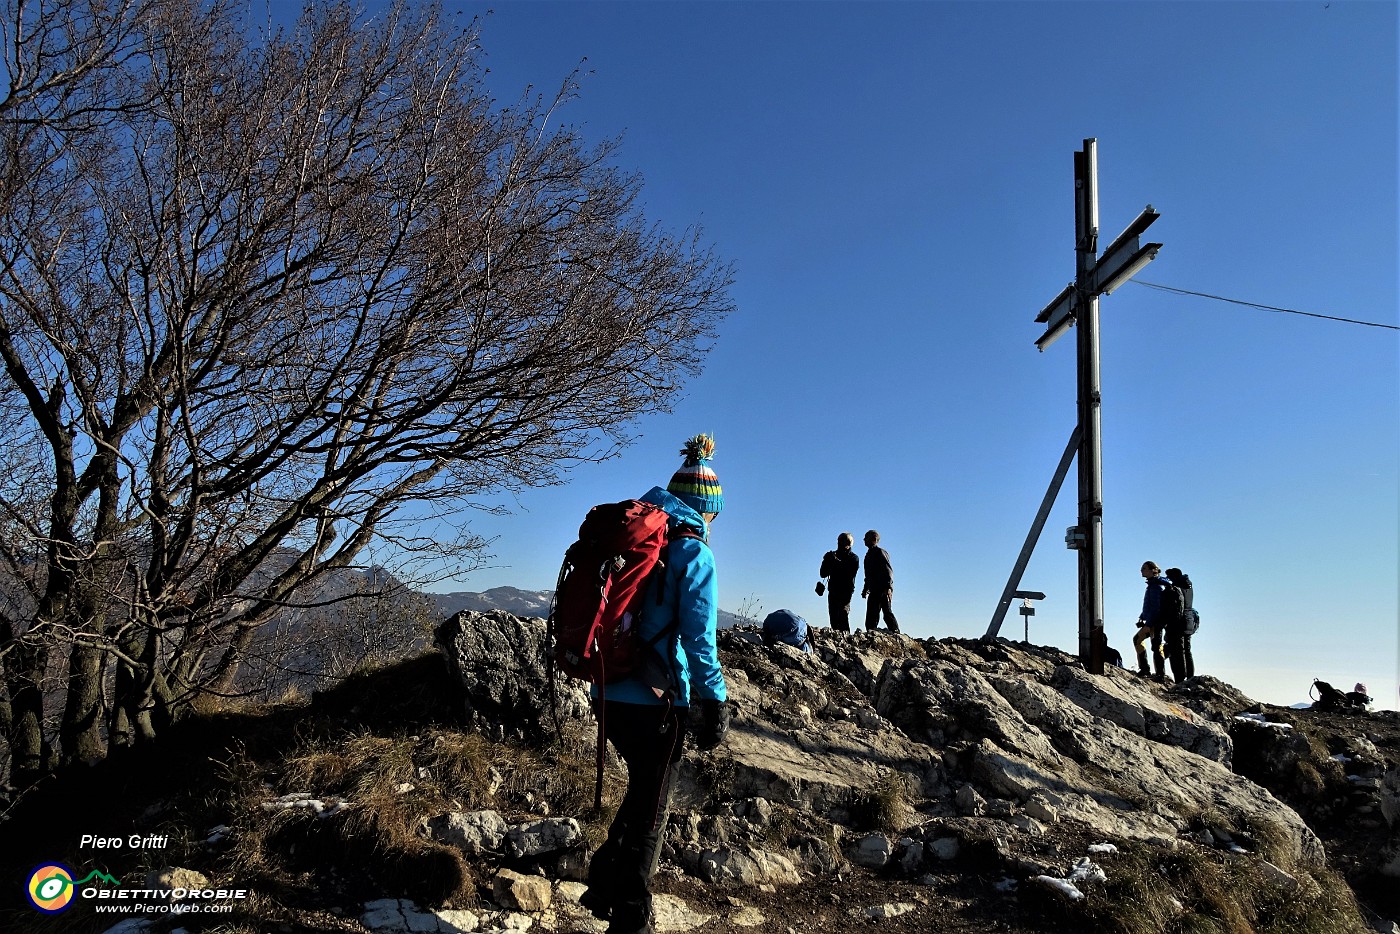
(787, 627)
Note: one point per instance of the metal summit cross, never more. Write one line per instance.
(1079, 303)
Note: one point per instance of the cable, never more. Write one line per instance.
(1291, 311)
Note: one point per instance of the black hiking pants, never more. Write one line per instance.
(649, 738)
(1178, 646)
(879, 602)
(838, 604)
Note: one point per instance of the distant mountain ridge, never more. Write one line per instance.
(517, 602)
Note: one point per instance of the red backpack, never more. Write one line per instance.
(594, 620)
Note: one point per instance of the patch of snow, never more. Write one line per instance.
(302, 800)
(1070, 890)
(1086, 871)
(1259, 718)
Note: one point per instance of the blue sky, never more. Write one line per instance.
(893, 183)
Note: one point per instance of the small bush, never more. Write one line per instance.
(884, 807)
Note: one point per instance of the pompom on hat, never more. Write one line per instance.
(695, 484)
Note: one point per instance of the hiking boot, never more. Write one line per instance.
(1144, 673)
(646, 928)
(597, 904)
(626, 922)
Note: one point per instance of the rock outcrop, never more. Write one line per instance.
(911, 756)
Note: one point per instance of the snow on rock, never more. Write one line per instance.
(304, 801)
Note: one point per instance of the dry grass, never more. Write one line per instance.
(885, 806)
(1202, 892)
(391, 785)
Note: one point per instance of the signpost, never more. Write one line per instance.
(1026, 610)
(1078, 304)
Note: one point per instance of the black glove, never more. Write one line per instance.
(712, 724)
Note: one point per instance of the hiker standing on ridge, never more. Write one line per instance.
(645, 715)
(1148, 623)
(879, 584)
(839, 567)
(1178, 644)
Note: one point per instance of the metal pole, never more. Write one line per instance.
(1086, 224)
(1013, 583)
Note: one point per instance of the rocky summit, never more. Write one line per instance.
(1003, 769)
(878, 782)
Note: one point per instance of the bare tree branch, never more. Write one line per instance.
(265, 305)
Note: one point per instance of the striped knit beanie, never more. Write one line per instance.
(695, 484)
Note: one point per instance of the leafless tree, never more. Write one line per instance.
(268, 303)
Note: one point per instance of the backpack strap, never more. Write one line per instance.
(672, 535)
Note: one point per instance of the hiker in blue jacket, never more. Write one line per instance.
(644, 716)
(1148, 624)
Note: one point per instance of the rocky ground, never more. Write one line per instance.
(881, 782)
(856, 900)
(1347, 819)
(1354, 814)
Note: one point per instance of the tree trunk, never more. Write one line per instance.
(131, 724)
(80, 734)
(30, 754)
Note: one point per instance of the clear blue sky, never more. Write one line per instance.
(893, 182)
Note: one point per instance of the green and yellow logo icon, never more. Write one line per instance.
(51, 887)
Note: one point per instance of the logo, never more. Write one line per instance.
(51, 887)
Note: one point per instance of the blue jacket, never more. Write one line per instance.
(690, 595)
(1152, 600)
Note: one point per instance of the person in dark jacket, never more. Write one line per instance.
(644, 716)
(1178, 640)
(839, 569)
(1148, 623)
(878, 591)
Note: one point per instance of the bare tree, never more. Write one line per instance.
(286, 299)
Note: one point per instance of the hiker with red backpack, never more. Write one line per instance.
(644, 715)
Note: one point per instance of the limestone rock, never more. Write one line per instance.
(499, 661)
(998, 750)
(672, 914)
(511, 889)
(473, 832)
(175, 880)
(872, 851)
(538, 838)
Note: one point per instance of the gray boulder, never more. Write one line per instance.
(499, 660)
